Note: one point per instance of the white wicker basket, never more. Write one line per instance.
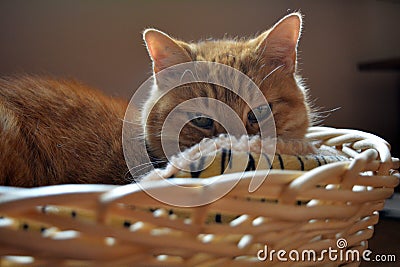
(101, 225)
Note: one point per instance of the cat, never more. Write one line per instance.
(270, 60)
(58, 131)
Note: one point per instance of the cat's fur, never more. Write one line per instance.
(56, 132)
(273, 54)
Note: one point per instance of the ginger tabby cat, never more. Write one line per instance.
(57, 131)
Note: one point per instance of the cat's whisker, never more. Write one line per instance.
(158, 134)
(132, 173)
(318, 117)
(137, 138)
(269, 74)
(197, 74)
(131, 122)
(262, 52)
(328, 111)
(262, 65)
(139, 168)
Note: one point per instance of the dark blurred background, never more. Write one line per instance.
(99, 42)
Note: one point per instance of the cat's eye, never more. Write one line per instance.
(259, 113)
(201, 121)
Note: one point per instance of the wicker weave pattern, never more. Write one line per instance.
(99, 225)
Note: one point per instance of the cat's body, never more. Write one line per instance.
(55, 132)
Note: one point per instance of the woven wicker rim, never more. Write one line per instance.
(345, 206)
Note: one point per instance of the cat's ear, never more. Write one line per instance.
(164, 50)
(279, 44)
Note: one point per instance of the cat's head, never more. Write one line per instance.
(270, 60)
